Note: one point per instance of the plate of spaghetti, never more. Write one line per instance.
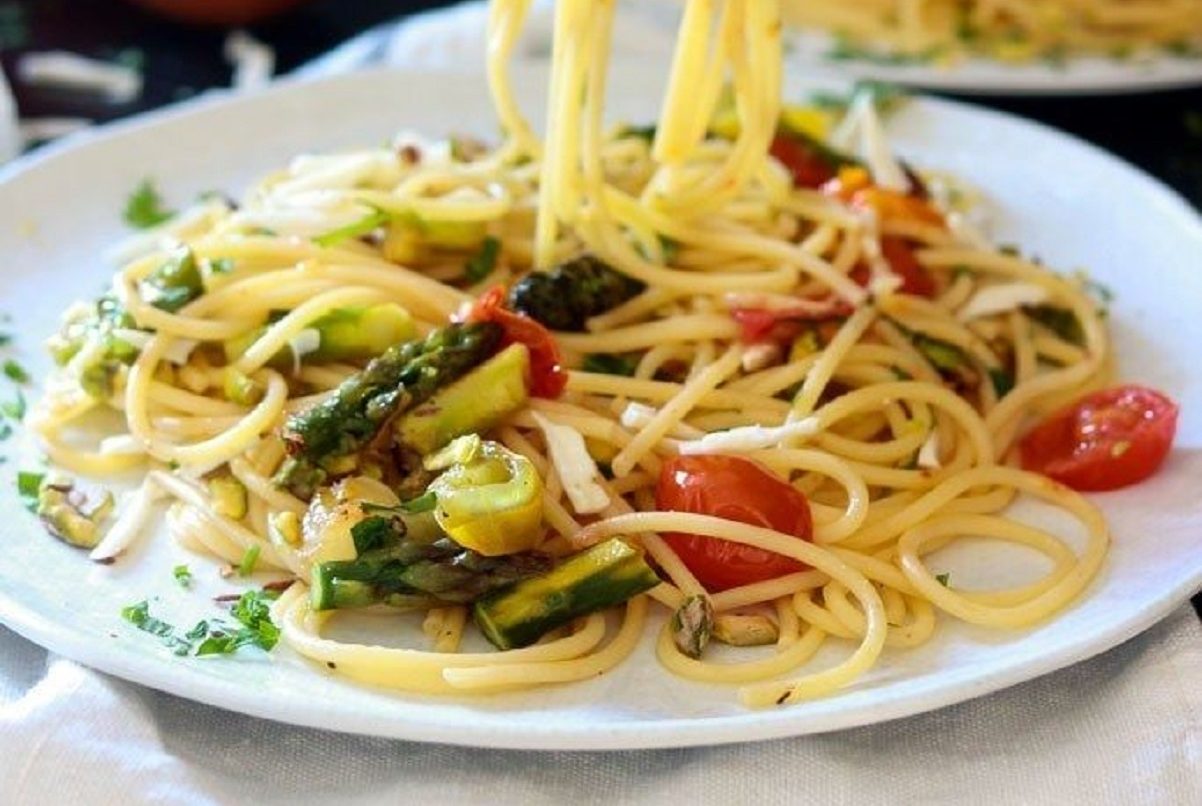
(1005, 46)
(671, 415)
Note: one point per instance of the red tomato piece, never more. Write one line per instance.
(916, 280)
(547, 375)
(1107, 440)
(739, 490)
(808, 167)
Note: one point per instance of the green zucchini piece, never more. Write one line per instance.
(600, 577)
(472, 404)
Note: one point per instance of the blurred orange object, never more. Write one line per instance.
(218, 12)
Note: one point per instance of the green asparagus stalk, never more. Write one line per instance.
(410, 574)
(568, 295)
(321, 439)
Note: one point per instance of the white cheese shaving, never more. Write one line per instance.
(60, 68)
(636, 415)
(1001, 298)
(577, 470)
(862, 119)
(928, 454)
(134, 338)
(121, 445)
(747, 438)
(133, 515)
(179, 351)
(253, 61)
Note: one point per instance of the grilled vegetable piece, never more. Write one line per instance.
(228, 495)
(568, 295)
(69, 515)
(692, 625)
(324, 439)
(474, 403)
(745, 630)
(607, 574)
(344, 334)
(94, 333)
(406, 573)
(490, 499)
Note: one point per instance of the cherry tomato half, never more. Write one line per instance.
(915, 278)
(739, 490)
(810, 169)
(547, 376)
(1110, 439)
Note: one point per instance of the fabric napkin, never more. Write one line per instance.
(1125, 727)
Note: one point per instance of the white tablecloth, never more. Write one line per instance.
(1123, 728)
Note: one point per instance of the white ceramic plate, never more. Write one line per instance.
(1075, 75)
(1065, 200)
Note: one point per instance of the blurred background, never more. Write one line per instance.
(179, 47)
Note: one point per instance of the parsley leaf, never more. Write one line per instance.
(144, 208)
(943, 579)
(222, 265)
(14, 409)
(15, 372)
(484, 262)
(139, 616)
(611, 364)
(1003, 381)
(183, 575)
(29, 484)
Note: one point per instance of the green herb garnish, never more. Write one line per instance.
(28, 486)
(144, 208)
(484, 262)
(15, 372)
(611, 364)
(14, 409)
(183, 576)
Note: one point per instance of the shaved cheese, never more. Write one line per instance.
(60, 68)
(750, 438)
(133, 515)
(863, 120)
(577, 471)
(253, 61)
(121, 445)
(1001, 298)
(135, 338)
(179, 351)
(636, 416)
(928, 454)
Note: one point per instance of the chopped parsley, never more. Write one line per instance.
(183, 576)
(1003, 381)
(356, 229)
(15, 372)
(944, 579)
(213, 636)
(484, 262)
(14, 409)
(145, 208)
(29, 485)
(611, 364)
(1061, 321)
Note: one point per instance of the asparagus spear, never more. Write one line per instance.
(565, 297)
(409, 573)
(321, 439)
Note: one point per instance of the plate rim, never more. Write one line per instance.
(662, 733)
